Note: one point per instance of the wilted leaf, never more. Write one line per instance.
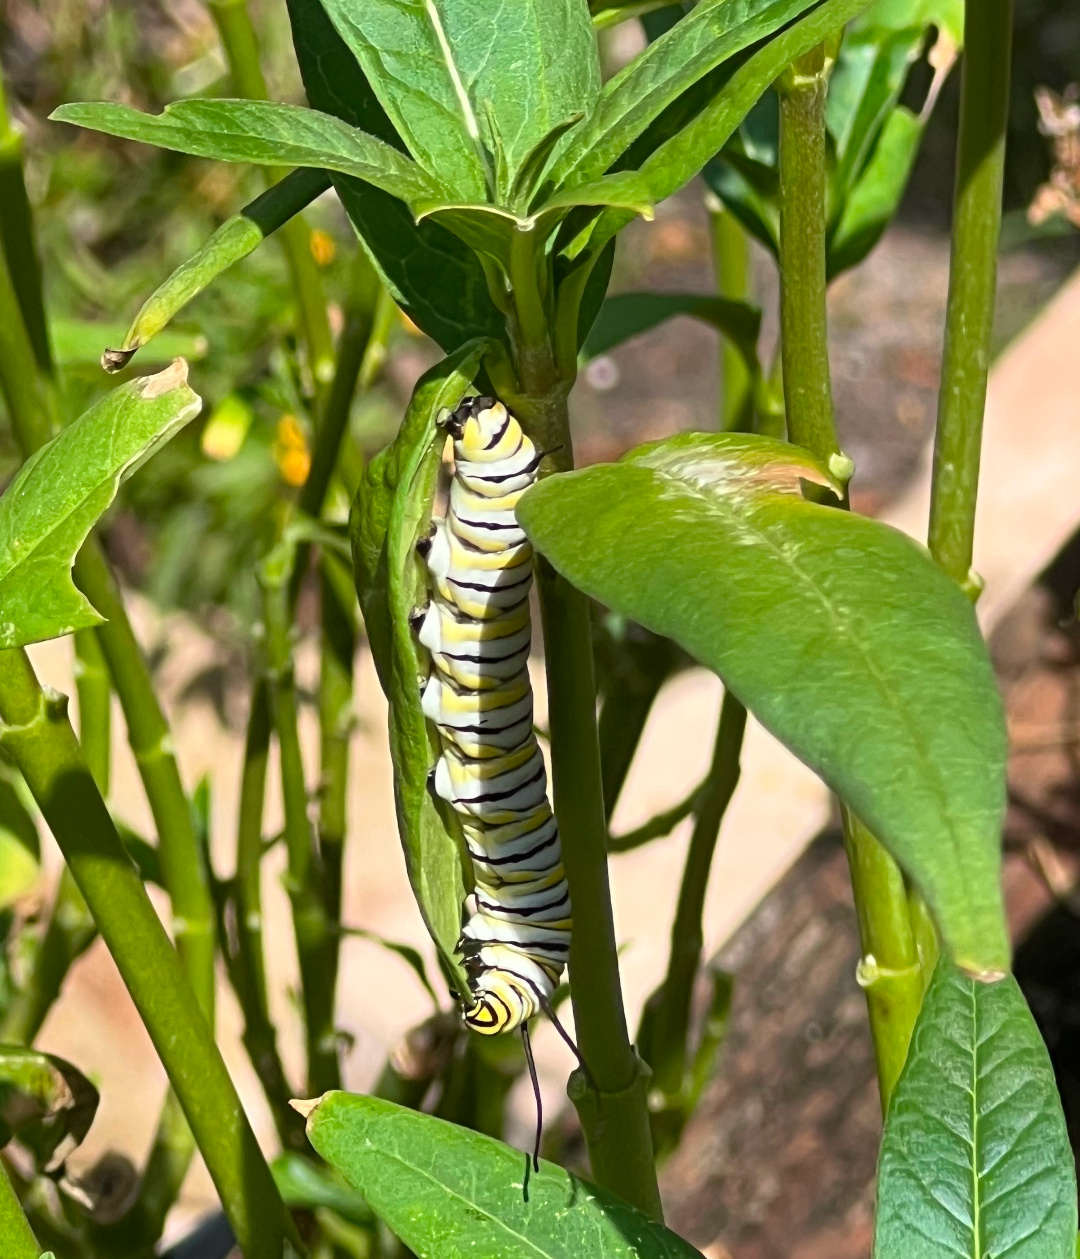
(838, 632)
(45, 1102)
(63, 489)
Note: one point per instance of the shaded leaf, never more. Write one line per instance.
(607, 13)
(81, 343)
(45, 1102)
(392, 509)
(975, 1160)
(628, 315)
(872, 203)
(304, 1186)
(838, 632)
(64, 488)
(946, 15)
(266, 133)
(456, 1194)
(435, 278)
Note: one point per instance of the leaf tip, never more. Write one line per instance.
(984, 975)
(305, 1106)
(114, 361)
(173, 377)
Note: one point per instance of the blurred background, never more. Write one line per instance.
(779, 1159)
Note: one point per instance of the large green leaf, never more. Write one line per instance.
(392, 510)
(714, 31)
(45, 1102)
(837, 632)
(266, 133)
(449, 1193)
(436, 279)
(449, 74)
(679, 159)
(63, 489)
(975, 1162)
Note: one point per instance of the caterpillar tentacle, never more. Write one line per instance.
(477, 629)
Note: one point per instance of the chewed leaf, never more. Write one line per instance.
(45, 1102)
(62, 491)
(838, 632)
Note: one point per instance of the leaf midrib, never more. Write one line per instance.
(844, 630)
(382, 1152)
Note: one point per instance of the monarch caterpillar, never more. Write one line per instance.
(477, 628)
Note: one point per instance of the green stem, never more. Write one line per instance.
(95, 706)
(984, 104)
(316, 945)
(17, 241)
(245, 963)
(891, 970)
(731, 265)
(336, 723)
(31, 403)
(241, 47)
(182, 865)
(42, 743)
(19, 1239)
(672, 1026)
(805, 346)
(893, 990)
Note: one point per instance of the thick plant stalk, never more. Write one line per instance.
(18, 1236)
(241, 46)
(39, 737)
(980, 160)
(612, 1101)
(673, 1018)
(891, 973)
(316, 938)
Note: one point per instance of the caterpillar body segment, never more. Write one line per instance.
(477, 630)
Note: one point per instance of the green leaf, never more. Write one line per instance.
(20, 849)
(443, 73)
(678, 160)
(629, 314)
(456, 1194)
(436, 280)
(45, 1102)
(63, 489)
(714, 31)
(839, 633)
(872, 203)
(265, 133)
(975, 1162)
(894, 15)
(392, 509)
(303, 1186)
(235, 239)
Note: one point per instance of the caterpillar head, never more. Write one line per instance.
(477, 427)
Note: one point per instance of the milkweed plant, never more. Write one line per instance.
(488, 168)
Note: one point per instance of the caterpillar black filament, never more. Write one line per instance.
(477, 628)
